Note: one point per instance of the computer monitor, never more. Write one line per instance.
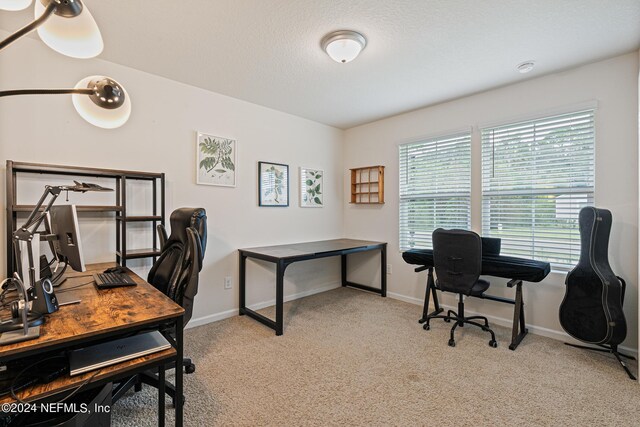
(64, 224)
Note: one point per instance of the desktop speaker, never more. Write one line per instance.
(44, 298)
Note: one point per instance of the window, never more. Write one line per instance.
(435, 188)
(536, 176)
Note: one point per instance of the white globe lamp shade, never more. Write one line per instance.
(77, 36)
(13, 5)
(109, 106)
(343, 46)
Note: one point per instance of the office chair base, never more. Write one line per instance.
(460, 321)
(150, 378)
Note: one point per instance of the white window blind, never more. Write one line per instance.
(435, 188)
(536, 176)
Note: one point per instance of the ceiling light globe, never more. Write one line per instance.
(343, 46)
(13, 5)
(76, 36)
(109, 106)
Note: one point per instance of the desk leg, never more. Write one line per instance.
(431, 287)
(280, 267)
(242, 263)
(179, 385)
(161, 392)
(519, 329)
(383, 271)
(382, 290)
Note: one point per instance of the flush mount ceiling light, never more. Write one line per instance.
(525, 67)
(344, 45)
(67, 27)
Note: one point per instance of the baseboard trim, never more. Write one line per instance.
(536, 330)
(199, 321)
(410, 300)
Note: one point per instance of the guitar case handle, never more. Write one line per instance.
(624, 286)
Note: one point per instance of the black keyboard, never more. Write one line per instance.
(112, 280)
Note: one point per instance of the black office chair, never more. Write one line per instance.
(175, 274)
(457, 258)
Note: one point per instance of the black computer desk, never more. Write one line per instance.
(285, 255)
(104, 315)
(507, 267)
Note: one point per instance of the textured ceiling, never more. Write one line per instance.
(419, 52)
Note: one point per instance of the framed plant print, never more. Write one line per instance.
(311, 188)
(273, 184)
(216, 161)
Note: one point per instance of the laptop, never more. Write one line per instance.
(109, 353)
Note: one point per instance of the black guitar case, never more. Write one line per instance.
(591, 310)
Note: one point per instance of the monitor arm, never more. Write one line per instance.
(28, 230)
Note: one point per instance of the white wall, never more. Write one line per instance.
(612, 83)
(160, 137)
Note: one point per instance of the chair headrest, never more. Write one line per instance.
(183, 218)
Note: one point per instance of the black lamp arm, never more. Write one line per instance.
(36, 217)
(49, 10)
(44, 92)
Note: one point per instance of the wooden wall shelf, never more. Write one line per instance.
(367, 185)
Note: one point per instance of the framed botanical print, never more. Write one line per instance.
(216, 161)
(311, 188)
(273, 184)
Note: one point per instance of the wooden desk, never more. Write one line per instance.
(284, 255)
(103, 315)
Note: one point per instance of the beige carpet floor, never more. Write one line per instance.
(353, 358)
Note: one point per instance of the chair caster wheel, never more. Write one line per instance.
(190, 369)
(493, 344)
(421, 321)
(447, 320)
(426, 327)
(452, 343)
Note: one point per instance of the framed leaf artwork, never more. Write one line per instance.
(273, 184)
(311, 188)
(216, 161)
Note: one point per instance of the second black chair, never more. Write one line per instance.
(457, 258)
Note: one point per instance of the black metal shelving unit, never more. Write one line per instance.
(120, 177)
